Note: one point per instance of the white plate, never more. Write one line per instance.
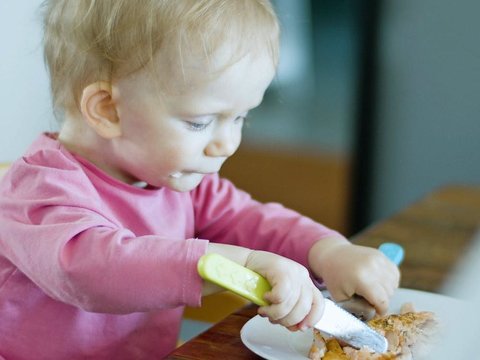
(274, 342)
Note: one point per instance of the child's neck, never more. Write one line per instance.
(78, 138)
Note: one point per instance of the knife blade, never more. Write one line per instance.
(335, 321)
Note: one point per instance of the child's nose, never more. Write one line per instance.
(225, 141)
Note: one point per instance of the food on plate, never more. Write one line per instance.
(408, 334)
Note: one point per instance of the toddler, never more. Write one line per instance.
(103, 223)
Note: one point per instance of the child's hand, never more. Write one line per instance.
(349, 269)
(294, 300)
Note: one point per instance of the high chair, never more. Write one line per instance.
(214, 307)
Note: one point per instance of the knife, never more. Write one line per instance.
(335, 321)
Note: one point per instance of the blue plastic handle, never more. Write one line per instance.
(393, 251)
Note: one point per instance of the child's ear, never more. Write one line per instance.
(98, 109)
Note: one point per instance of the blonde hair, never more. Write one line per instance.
(91, 40)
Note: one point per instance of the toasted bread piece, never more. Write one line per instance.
(326, 349)
(405, 333)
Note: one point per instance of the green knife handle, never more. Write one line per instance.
(234, 277)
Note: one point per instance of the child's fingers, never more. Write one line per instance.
(377, 296)
(281, 292)
(340, 293)
(284, 302)
(391, 286)
(316, 311)
(293, 328)
(388, 279)
(395, 277)
(300, 309)
(388, 269)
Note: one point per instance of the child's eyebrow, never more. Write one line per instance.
(216, 113)
(219, 112)
(208, 116)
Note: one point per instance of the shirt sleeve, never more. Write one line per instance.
(225, 214)
(55, 234)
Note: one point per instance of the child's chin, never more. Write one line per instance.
(186, 182)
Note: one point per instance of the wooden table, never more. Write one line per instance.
(435, 233)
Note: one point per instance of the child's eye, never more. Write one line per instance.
(195, 126)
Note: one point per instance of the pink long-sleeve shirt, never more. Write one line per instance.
(91, 267)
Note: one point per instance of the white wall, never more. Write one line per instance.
(429, 100)
(24, 93)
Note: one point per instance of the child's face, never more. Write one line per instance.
(189, 131)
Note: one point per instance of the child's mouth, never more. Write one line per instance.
(176, 175)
